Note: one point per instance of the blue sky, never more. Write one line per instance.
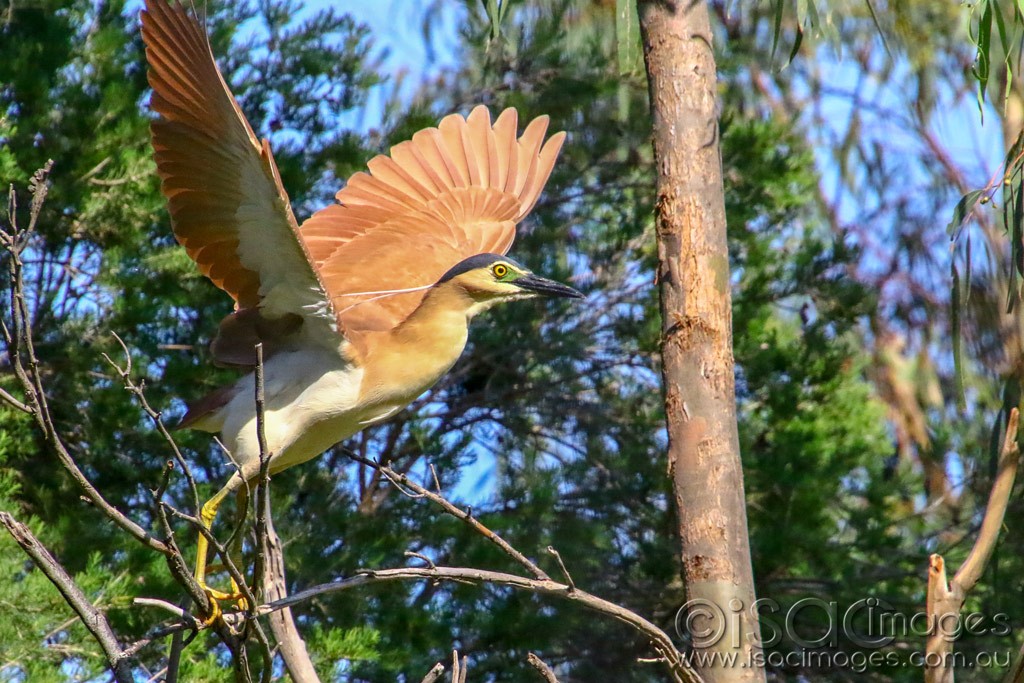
(397, 30)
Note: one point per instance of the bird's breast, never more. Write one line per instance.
(408, 361)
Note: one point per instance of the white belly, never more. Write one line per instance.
(311, 398)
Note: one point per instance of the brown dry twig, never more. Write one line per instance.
(412, 489)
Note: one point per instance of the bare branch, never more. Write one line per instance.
(434, 674)
(93, 619)
(459, 667)
(13, 402)
(546, 671)
(282, 625)
(180, 612)
(970, 571)
(660, 641)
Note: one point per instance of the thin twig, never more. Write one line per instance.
(565, 572)
(176, 610)
(138, 391)
(414, 490)
(175, 560)
(263, 480)
(262, 509)
(242, 512)
(165, 480)
(158, 634)
(420, 556)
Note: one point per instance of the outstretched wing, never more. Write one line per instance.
(227, 205)
(449, 193)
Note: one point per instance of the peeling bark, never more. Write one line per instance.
(698, 365)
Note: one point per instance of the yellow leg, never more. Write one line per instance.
(206, 517)
(241, 511)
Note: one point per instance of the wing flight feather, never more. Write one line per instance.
(227, 205)
(450, 193)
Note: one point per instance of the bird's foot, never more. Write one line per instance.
(216, 613)
(217, 596)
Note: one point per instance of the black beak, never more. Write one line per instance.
(545, 287)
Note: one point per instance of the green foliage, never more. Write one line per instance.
(204, 661)
(334, 649)
(40, 637)
(8, 162)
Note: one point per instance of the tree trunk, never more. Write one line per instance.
(700, 401)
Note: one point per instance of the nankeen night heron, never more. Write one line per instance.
(365, 305)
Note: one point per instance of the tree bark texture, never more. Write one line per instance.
(698, 365)
(275, 587)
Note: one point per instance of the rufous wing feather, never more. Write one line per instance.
(450, 193)
(227, 205)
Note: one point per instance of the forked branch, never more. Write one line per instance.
(945, 597)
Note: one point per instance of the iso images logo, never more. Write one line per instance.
(861, 634)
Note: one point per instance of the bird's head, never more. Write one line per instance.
(489, 279)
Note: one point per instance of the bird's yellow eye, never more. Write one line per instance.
(500, 270)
